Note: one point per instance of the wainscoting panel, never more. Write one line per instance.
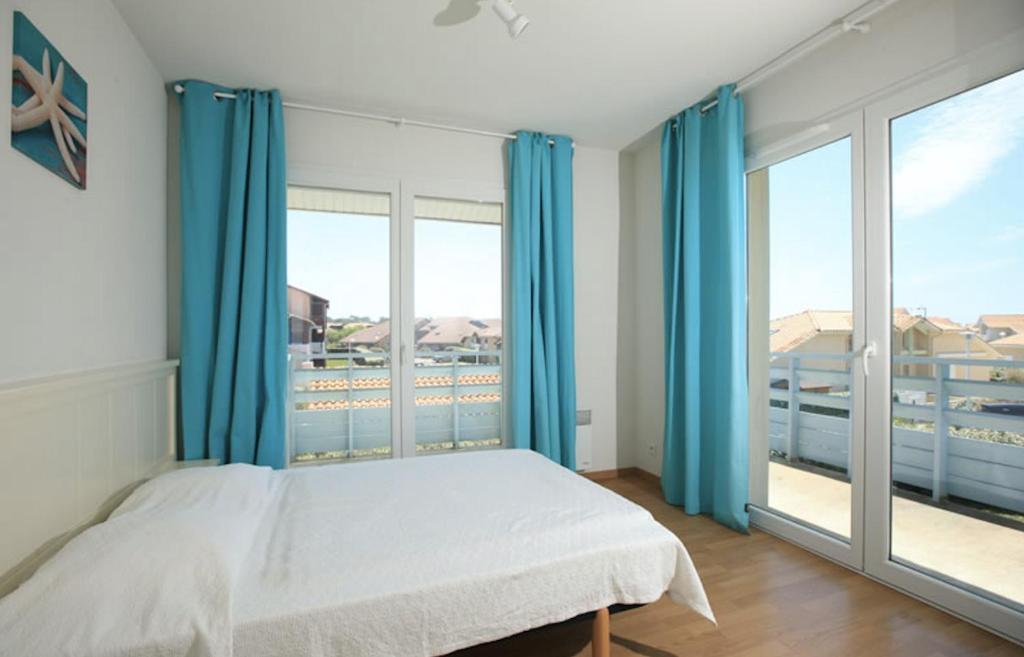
(72, 448)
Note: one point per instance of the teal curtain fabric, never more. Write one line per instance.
(543, 390)
(704, 465)
(233, 303)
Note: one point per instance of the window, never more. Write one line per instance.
(439, 263)
(886, 314)
(804, 214)
(957, 430)
(458, 330)
(339, 290)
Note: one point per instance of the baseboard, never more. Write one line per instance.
(616, 473)
(602, 475)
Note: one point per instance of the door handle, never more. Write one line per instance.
(869, 350)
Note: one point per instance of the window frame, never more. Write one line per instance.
(403, 192)
(795, 144)
(960, 600)
(456, 190)
(873, 113)
(325, 178)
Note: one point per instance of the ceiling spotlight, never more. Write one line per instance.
(507, 12)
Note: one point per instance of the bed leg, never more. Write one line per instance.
(600, 646)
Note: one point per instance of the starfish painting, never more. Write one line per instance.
(47, 105)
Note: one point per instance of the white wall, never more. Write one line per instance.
(596, 253)
(82, 273)
(626, 372)
(357, 148)
(648, 401)
(908, 41)
(363, 148)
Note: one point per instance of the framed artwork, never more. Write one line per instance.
(48, 105)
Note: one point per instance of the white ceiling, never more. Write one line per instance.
(604, 72)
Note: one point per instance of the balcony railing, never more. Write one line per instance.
(943, 439)
(343, 409)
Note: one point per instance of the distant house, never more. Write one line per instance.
(814, 331)
(437, 334)
(1012, 346)
(996, 327)
(939, 337)
(831, 332)
(1004, 333)
(307, 321)
(450, 332)
(372, 336)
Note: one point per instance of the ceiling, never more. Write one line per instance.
(603, 72)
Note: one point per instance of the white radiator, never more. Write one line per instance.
(584, 447)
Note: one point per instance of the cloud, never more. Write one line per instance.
(957, 144)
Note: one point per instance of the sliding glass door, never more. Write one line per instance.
(457, 331)
(946, 305)
(805, 325)
(342, 374)
(887, 343)
(395, 307)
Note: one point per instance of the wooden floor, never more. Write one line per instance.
(771, 598)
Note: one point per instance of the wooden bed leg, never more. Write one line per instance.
(601, 646)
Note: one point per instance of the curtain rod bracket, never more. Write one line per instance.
(860, 28)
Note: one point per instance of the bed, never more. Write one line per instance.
(403, 557)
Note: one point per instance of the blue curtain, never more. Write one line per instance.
(543, 394)
(704, 465)
(233, 304)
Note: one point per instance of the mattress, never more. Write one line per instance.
(425, 556)
(412, 557)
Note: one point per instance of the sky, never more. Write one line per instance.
(958, 212)
(957, 233)
(345, 258)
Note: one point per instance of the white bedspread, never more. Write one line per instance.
(411, 557)
(425, 556)
(154, 580)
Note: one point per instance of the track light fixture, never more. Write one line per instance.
(515, 21)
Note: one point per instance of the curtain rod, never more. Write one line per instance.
(394, 120)
(852, 22)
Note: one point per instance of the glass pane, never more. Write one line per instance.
(958, 339)
(804, 205)
(339, 336)
(458, 299)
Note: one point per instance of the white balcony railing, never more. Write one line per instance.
(942, 439)
(342, 408)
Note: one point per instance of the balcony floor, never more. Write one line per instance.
(980, 553)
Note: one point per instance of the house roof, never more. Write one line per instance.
(1015, 322)
(437, 332)
(789, 332)
(453, 330)
(492, 328)
(903, 320)
(946, 324)
(1015, 340)
(370, 334)
(309, 294)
